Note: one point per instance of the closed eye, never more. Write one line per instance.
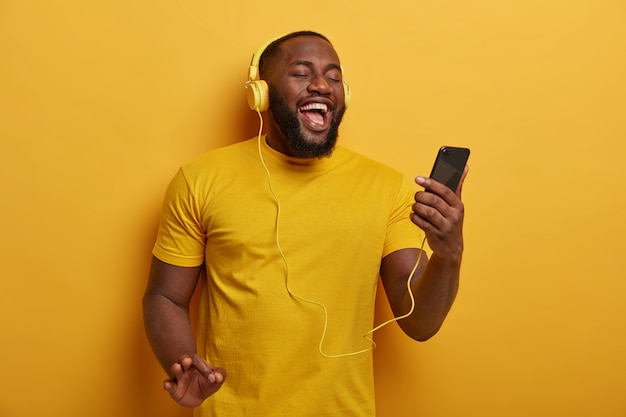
(334, 75)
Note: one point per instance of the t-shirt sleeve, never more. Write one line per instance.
(402, 233)
(181, 237)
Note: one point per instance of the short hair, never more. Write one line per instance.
(269, 55)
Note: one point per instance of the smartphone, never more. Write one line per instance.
(449, 166)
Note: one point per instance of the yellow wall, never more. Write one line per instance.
(101, 101)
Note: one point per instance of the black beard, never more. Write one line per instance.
(289, 124)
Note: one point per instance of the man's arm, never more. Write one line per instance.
(166, 319)
(439, 212)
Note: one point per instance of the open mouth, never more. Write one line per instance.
(315, 115)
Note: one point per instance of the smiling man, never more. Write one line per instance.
(288, 234)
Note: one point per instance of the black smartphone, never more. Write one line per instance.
(449, 166)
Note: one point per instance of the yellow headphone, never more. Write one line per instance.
(258, 100)
(257, 90)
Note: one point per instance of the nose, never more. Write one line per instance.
(319, 84)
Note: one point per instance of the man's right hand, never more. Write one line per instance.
(193, 380)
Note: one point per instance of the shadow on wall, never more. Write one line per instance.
(246, 122)
(232, 115)
(143, 394)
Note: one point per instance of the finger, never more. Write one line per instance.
(169, 386)
(185, 362)
(220, 375)
(459, 189)
(435, 187)
(176, 371)
(201, 365)
(423, 224)
(428, 211)
(432, 206)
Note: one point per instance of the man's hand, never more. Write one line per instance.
(193, 380)
(439, 213)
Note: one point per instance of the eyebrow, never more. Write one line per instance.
(310, 64)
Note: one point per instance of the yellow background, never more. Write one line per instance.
(100, 101)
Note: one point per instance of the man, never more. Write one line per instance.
(292, 233)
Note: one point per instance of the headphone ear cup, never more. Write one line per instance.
(257, 93)
(347, 94)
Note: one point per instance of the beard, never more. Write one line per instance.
(289, 124)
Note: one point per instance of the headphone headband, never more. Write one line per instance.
(253, 71)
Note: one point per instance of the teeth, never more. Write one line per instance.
(315, 106)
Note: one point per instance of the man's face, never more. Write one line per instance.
(306, 97)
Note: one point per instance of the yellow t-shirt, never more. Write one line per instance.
(339, 217)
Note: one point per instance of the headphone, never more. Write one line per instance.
(258, 100)
(257, 90)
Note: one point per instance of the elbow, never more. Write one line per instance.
(421, 333)
(147, 301)
(151, 304)
(147, 306)
(422, 337)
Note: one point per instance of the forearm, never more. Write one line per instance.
(168, 329)
(434, 293)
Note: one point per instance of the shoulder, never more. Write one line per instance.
(218, 166)
(224, 159)
(366, 165)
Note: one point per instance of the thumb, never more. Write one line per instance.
(459, 189)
